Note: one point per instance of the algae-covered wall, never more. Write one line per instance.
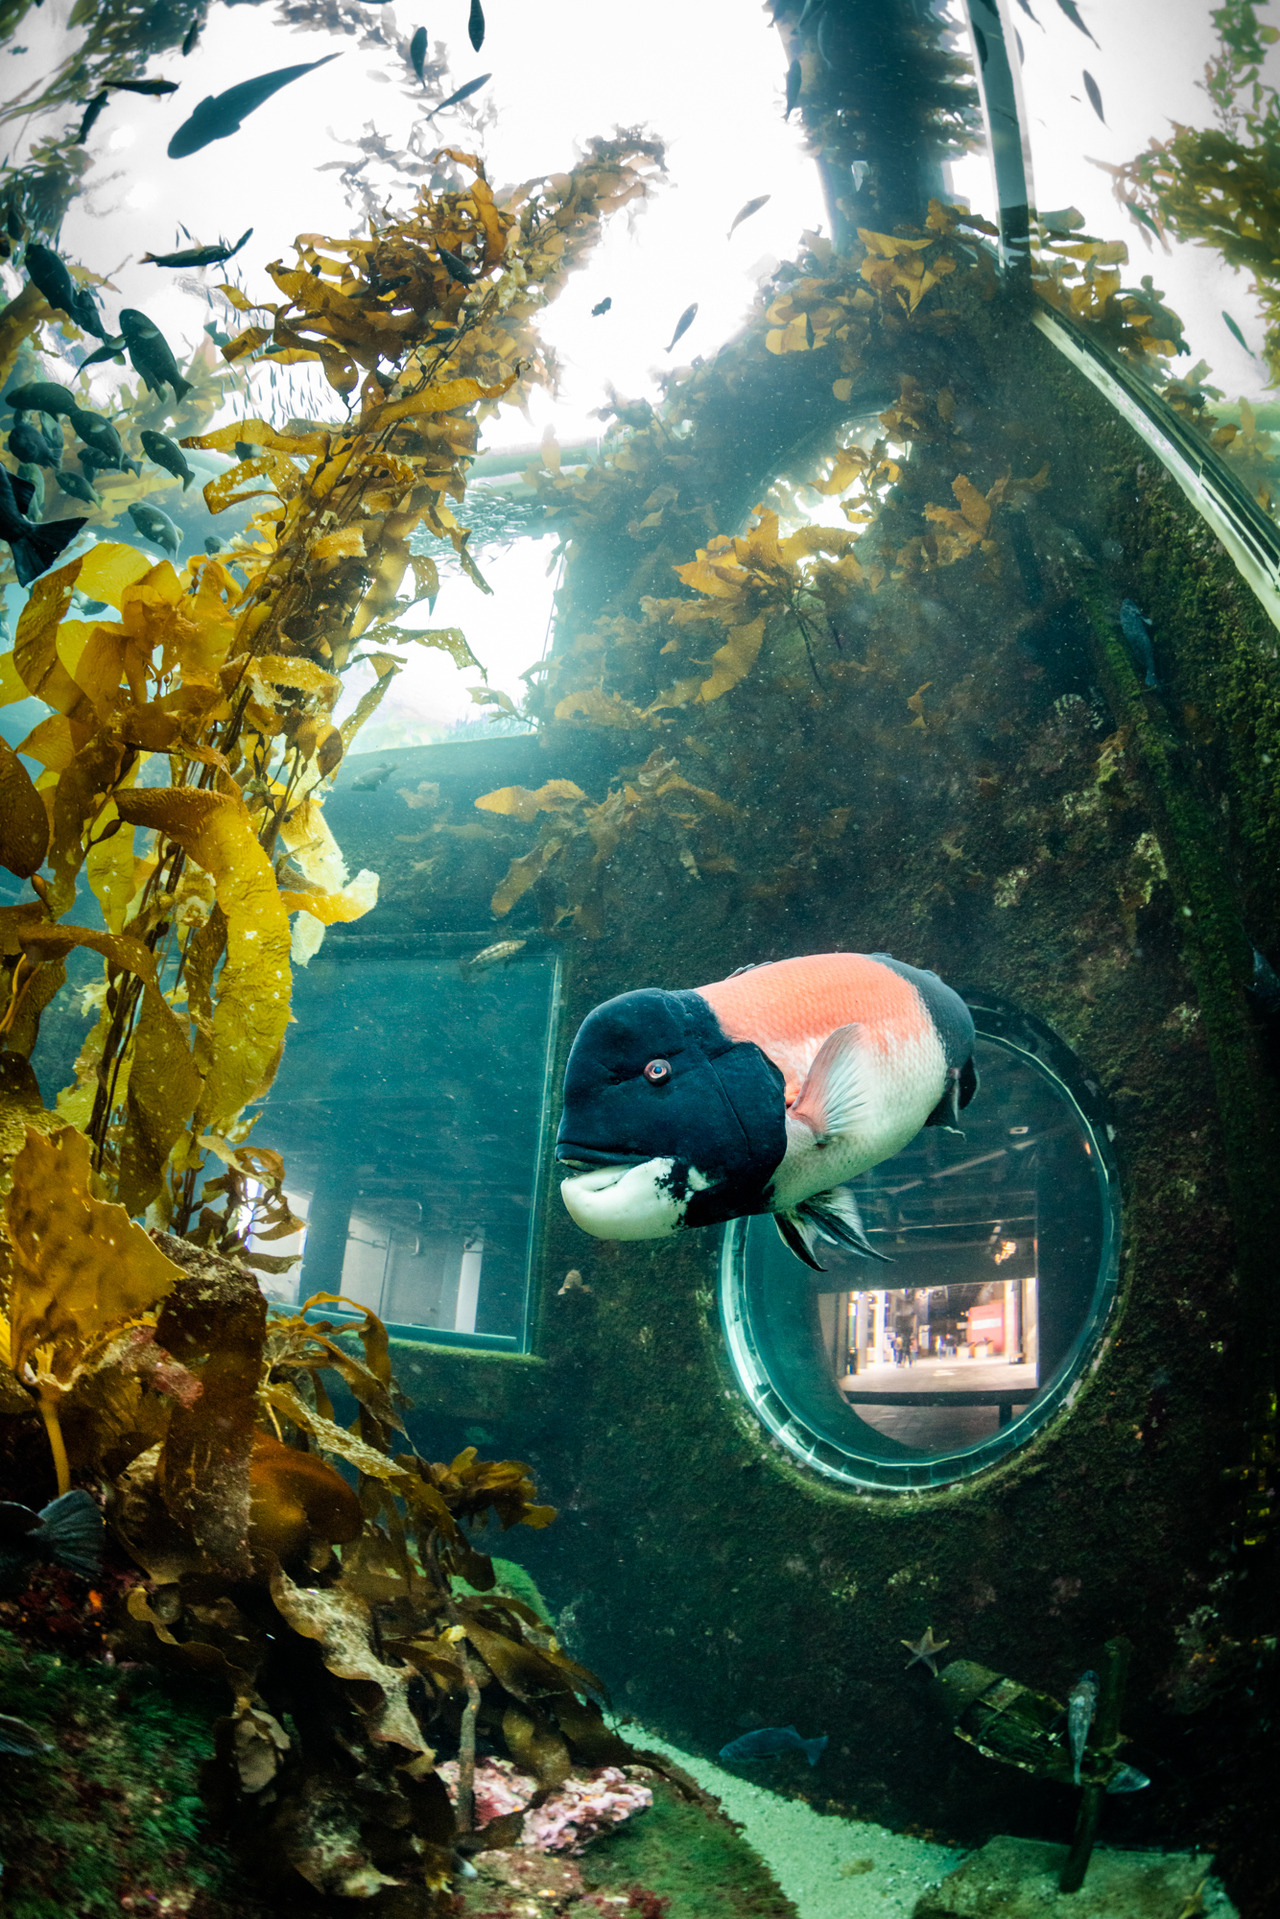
(1096, 853)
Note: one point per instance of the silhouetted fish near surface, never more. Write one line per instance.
(51, 277)
(683, 324)
(1082, 1704)
(34, 547)
(762, 1093)
(198, 256)
(475, 25)
(418, 51)
(91, 114)
(42, 396)
(166, 453)
(151, 353)
(193, 34)
(601, 306)
(1095, 98)
(76, 487)
(1136, 628)
(457, 268)
(745, 213)
(219, 115)
(155, 526)
(768, 1741)
(28, 443)
(1072, 12)
(98, 433)
(463, 93)
(67, 1532)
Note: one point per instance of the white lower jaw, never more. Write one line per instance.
(625, 1202)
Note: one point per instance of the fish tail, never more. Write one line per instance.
(71, 1531)
(40, 546)
(181, 388)
(814, 1748)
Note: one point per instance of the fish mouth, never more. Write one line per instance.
(625, 1199)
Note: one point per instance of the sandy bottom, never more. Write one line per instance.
(829, 1868)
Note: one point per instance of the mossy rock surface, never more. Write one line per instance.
(691, 1853)
(681, 1859)
(108, 1820)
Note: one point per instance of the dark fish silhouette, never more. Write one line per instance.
(745, 213)
(213, 543)
(91, 113)
(1072, 12)
(166, 453)
(77, 487)
(155, 526)
(1136, 628)
(418, 51)
(601, 307)
(29, 444)
(67, 1532)
(1231, 327)
(151, 353)
(1082, 1705)
(193, 34)
(463, 93)
(219, 115)
(33, 547)
(1095, 98)
(457, 267)
(41, 396)
(475, 25)
(683, 324)
(49, 275)
(768, 1741)
(98, 434)
(198, 256)
(793, 88)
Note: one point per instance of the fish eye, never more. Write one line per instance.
(658, 1071)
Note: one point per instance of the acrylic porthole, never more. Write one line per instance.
(1004, 1249)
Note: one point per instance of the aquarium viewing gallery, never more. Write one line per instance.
(639, 959)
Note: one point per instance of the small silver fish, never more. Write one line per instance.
(1082, 1704)
(495, 955)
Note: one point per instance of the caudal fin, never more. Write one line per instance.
(71, 1531)
(814, 1748)
(38, 548)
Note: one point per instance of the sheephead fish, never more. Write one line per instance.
(762, 1093)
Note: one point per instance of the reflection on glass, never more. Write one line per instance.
(994, 1242)
(409, 1109)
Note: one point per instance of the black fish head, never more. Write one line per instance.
(667, 1122)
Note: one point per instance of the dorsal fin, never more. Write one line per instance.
(834, 1092)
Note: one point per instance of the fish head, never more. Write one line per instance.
(666, 1123)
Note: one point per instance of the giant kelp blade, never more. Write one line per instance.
(24, 824)
(80, 1264)
(252, 1011)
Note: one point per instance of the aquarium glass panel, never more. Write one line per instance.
(410, 1111)
(1000, 1250)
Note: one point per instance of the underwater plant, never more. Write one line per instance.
(150, 1356)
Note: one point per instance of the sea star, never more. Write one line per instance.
(925, 1650)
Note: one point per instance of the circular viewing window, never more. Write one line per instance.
(1003, 1247)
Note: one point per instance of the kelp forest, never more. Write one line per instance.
(843, 545)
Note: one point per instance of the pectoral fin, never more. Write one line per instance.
(832, 1216)
(835, 1088)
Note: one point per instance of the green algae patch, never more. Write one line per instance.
(691, 1853)
(109, 1819)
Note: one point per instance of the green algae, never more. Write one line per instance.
(688, 1853)
(109, 1819)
